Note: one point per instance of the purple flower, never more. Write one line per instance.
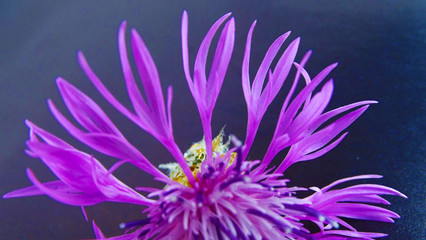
(212, 191)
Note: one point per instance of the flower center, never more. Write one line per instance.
(195, 156)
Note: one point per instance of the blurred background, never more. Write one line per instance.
(380, 47)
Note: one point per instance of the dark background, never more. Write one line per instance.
(380, 47)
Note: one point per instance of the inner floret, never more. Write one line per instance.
(195, 156)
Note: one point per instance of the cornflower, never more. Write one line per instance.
(212, 191)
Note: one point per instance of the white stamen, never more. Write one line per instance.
(121, 225)
(246, 179)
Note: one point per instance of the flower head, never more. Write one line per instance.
(212, 191)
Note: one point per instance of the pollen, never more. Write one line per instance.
(195, 156)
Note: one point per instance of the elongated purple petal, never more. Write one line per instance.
(324, 150)
(85, 110)
(135, 95)
(66, 194)
(151, 83)
(322, 137)
(185, 57)
(360, 211)
(200, 79)
(220, 62)
(205, 91)
(300, 69)
(353, 192)
(97, 231)
(46, 136)
(106, 93)
(35, 191)
(245, 76)
(282, 68)
(267, 60)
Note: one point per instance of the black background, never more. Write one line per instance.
(380, 47)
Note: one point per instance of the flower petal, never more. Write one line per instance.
(66, 195)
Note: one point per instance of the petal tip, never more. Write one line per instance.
(28, 123)
(80, 54)
(7, 195)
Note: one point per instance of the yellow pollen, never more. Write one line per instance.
(195, 156)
